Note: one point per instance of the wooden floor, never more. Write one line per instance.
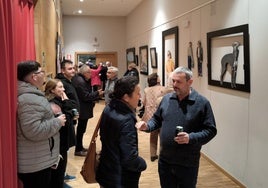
(209, 176)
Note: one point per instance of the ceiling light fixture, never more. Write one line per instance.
(81, 0)
(80, 11)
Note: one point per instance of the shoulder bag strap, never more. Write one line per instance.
(95, 134)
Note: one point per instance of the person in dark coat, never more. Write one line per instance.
(87, 98)
(132, 71)
(120, 164)
(54, 92)
(103, 73)
(66, 75)
(180, 151)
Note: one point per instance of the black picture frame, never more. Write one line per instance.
(137, 60)
(228, 47)
(143, 53)
(169, 43)
(131, 56)
(153, 56)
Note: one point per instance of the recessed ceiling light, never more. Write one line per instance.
(80, 11)
(81, 0)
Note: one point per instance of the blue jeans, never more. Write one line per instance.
(176, 176)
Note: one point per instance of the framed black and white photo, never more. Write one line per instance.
(228, 58)
(169, 53)
(144, 60)
(153, 56)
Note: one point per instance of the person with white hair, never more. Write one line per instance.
(112, 77)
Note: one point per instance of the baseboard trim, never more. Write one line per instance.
(223, 171)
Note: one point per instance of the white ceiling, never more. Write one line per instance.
(99, 7)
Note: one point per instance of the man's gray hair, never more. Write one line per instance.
(113, 69)
(83, 69)
(188, 72)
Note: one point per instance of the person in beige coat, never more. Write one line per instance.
(152, 97)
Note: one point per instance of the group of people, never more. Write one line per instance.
(45, 123)
(165, 109)
(46, 120)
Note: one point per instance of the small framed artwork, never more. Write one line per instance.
(228, 58)
(85, 58)
(131, 56)
(144, 60)
(58, 53)
(169, 53)
(153, 56)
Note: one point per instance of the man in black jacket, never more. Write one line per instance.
(66, 75)
(87, 98)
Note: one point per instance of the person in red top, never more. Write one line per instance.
(95, 77)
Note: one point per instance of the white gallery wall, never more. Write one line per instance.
(240, 145)
(80, 34)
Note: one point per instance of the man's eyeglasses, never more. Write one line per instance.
(38, 72)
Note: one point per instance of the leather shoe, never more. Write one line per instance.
(80, 153)
(153, 158)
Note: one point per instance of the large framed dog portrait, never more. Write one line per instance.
(228, 58)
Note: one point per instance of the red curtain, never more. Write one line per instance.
(17, 44)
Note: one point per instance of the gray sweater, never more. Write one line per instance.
(37, 130)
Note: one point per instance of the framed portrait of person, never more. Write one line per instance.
(153, 56)
(169, 53)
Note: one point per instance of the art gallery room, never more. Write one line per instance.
(230, 74)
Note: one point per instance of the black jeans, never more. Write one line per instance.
(176, 176)
(81, 129)
(130, 179)
(57, 178)
(40, 179)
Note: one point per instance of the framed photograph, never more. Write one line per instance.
(228, 58)
(58, 53)
(85, 58)
(144, 60)
(131, 56)
(169, 53)
(153, 56)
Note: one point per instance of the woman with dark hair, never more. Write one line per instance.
(120, 165)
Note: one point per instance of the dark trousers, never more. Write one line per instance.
(40, 179)
(200, 73)
(81, 129)
(130, 179)
(176, 176)
(57, 178)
